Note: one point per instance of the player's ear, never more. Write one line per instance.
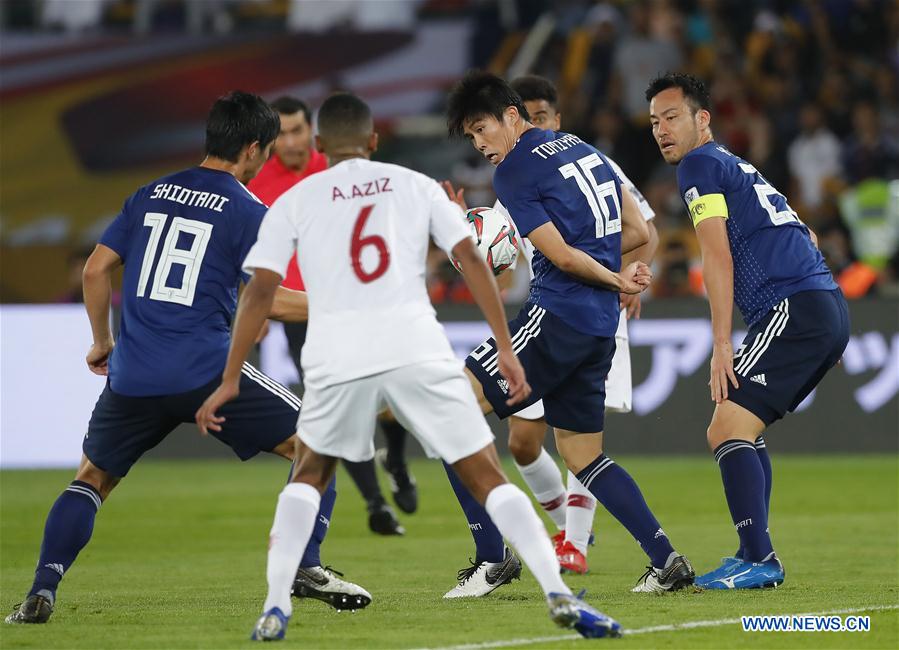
(373, 142)
(557, 123)
(703, 118)
(511, 116)
(253, 150)
(319, 146)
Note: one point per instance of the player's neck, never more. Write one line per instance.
(222, 165)
(346, 153)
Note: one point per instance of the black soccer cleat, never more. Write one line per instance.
(35, 609)
(382, 520)
(677, 575)
(402, 483)
(323, 584)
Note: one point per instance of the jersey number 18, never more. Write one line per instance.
(190, 258)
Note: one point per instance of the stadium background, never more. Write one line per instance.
(101, 96)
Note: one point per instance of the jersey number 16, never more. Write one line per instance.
(597, 194)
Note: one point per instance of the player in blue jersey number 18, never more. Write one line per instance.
(757, 253)
(182, 240)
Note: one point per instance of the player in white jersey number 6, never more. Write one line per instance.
(361, 232)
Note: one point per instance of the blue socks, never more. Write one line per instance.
(762, 450)
(67, 531)
(311, 556)
(618, 493)
(488, 541)
(745, 487)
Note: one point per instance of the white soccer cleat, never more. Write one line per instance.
(324, 584)
(481, 579)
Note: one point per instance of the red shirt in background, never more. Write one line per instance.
(272, 181)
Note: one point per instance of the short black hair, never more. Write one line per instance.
(694, 90)
(344, 115)
(237, 120)
(287, 105)
(480, 94)
(533, 88)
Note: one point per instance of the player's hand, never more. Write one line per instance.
(635, 278)
(722, 371)
(513, 372)
(206, 417)
(631, 304)
(455, 196)
(98, 357)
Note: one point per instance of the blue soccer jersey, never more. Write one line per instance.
(555, 177)
(773, 254)
(183, 239)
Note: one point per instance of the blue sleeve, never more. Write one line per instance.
(518, 192)
(251, 219)
(699, 175)
(117, 235)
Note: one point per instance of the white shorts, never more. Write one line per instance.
(432, 400)
(619, 388)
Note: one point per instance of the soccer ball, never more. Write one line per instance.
(495, 236)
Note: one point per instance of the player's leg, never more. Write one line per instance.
(432, 400)
(121, 429)
(336, 421)
(576, 410)
(264, 418)
(784, 356)
(393, 460)
(381, 517)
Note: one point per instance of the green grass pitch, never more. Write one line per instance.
(177, 560)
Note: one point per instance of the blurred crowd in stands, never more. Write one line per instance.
(806, 90)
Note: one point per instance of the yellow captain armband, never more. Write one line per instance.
(706, 207)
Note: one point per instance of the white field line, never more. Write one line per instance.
(676, 627)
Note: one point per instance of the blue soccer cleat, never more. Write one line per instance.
(271, 626)
(739, 574)
(569, 611)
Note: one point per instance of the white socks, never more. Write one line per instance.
(294, 520)
(579, 514)
(543, 478)
(516, 519)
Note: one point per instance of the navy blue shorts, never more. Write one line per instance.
(123, 428)
(787, 353)
(565, 368)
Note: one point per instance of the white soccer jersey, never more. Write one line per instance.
(527, 248)
(360, 230)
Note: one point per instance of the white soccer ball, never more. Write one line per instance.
(495, 236)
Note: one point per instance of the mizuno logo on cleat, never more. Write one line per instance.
(759, 379)
(729, 581)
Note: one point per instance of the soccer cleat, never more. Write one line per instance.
(323, 584)
(571, 559)
(402, 483)
(35, 609)
(271, 626)
(559, 538)
(382, 519)
(484, 578)
(739, 574)
(569, 611)
(677, 575)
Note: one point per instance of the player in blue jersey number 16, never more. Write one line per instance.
(757, 253)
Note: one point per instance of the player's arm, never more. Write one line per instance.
(575, 262)
(290, 306)
(486, 294)
(645, 253)
(254, 307)
(718, 274)
(634, 231)
(97, 282)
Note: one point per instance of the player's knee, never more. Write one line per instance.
(524, 449)
(99, 479)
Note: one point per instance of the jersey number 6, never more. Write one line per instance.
(359, 243)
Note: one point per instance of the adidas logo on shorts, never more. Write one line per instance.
(503, 385)
(759, 379)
